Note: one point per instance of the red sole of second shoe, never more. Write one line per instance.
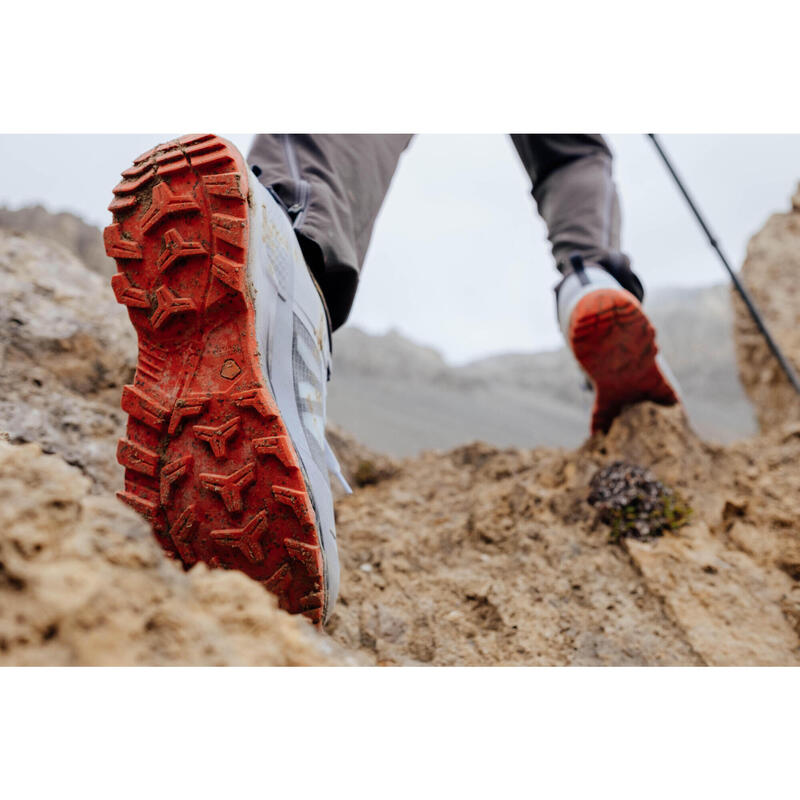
(207, 458)
(615, 344)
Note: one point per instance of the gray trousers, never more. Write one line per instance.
(333, 185)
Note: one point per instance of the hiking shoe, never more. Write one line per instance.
(613, 341)
(225, 452)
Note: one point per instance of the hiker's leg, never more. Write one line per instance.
(333, 187)
(575, 194)
(598, 299)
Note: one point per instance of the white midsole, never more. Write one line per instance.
(275, 264)
(572, 291)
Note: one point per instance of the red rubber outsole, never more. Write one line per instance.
(615, 344)
(208, 461)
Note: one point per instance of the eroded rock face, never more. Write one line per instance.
(66, 350)
(771, 273)
(82, 581)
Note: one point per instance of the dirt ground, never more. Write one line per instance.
(488, 556)
(476, 556)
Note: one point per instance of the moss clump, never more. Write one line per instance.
(366, 474)
(630, 500)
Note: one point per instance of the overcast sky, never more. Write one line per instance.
(459, 258)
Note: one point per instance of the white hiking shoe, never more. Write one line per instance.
(225, 451)
(614, 343)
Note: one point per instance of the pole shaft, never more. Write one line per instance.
(740, 288)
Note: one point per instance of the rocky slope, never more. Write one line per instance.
(479, 555)
(492, 556)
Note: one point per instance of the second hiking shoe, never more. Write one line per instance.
(614, 343)
(225, 452)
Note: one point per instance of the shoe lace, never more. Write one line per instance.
(335, 468)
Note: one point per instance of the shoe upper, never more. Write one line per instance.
(580, 281)
(294, 342)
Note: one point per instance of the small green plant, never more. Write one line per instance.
(366, 473)
(633, 503)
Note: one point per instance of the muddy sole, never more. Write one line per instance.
(615, 343)
(208, 460)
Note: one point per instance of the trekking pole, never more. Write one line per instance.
(743, 293)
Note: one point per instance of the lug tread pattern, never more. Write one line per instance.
(208, 461)
(615, 343)
(169, 304)
(217, 437)
(259, 400)
(127, 294)
(230, 487)
(182, 533)
(119, 247)
(248, 539)
(188, 406)
(136, 457)
(278, 446)
(147, 508)
(176, 247)
(171, 473)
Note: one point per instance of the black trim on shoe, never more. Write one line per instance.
(576, 262)
(618, 265)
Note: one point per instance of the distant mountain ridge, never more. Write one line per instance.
(81, 239)
(401, 397)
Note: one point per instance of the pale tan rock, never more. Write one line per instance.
(771, 273)
(82, 581)
(728, 607)
(66, 350)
